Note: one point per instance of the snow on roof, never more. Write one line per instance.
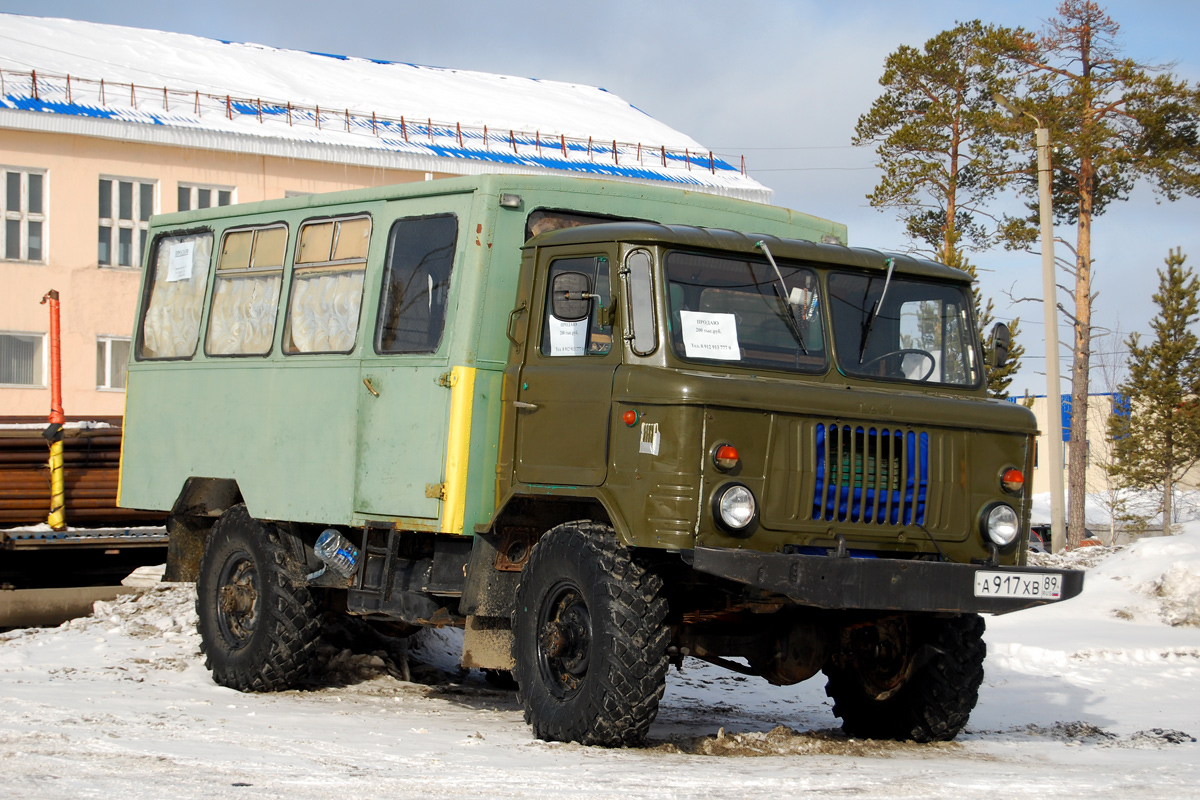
(178, 89)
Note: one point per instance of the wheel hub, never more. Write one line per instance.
(885, 658)
(564, 640)
(237, 601)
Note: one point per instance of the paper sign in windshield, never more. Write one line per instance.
(707, 335)
(179, 262)
(568, 338)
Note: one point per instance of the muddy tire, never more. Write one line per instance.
(924, 692)
(259, 625)
(589, 639)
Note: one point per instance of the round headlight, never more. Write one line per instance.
(736, 509)
(1001, 525)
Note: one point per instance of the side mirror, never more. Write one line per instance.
(571, 296)
(1001, 342)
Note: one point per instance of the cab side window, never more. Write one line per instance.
(591, 335)
(241, 319)
(327, 285)
(416, 285)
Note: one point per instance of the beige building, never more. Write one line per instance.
(90, 149)
(1100, 408)
(76, 211)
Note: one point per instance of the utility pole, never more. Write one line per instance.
(1058, 528)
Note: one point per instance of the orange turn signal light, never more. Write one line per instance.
(1012, 480)
(726, 457)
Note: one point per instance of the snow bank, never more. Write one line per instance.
(1098, 695)
(1093, 660)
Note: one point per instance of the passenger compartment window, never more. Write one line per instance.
(171, 321)
(241, 319)
(591, 333)
(416, 285)
(327, 286)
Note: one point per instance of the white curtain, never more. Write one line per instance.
(323, 317)
(172, 324)
(242, 320)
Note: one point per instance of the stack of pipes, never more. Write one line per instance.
(91, 458)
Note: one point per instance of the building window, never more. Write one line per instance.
(24, 215)
(125, 209)
(22, 360)
(112, 359)
(196, 195)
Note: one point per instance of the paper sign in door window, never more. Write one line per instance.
(708, 335)
(179, 262)
(568, 338)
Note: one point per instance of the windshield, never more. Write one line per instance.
(734, 310)
(922, 331)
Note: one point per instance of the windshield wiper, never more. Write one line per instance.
(786, 297)
(891, 264)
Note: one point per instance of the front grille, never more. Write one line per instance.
(871, 475)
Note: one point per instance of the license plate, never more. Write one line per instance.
(1024, 585)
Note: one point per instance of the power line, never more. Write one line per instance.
(812, 169)
(808, 147)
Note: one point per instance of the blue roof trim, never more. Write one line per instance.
(328, 55)
(406, 138)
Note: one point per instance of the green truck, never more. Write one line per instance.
(601, 427)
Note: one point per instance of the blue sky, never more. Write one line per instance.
(779, 82)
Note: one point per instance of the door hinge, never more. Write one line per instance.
(436, 491)
(447, 379)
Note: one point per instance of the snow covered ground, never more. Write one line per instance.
(1098, 696)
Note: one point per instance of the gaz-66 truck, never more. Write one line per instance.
(599, 426)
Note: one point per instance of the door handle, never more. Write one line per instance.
(519, 404)
(508, 328)
(370, 387)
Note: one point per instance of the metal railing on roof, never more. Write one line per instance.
(47, 91)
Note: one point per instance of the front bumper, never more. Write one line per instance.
(882, 584)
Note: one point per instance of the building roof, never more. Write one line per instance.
(177, 89)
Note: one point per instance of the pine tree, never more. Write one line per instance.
(1112, 121)
(1156, 437)
(938, 135)
(935, 132)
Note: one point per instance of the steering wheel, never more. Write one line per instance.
(904, 352)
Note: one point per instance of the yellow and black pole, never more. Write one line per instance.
(53, 433)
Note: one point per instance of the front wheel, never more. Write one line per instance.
(589, 639)
(909, 678)
(258, 623)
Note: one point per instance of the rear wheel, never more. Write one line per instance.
(258, 623)
(589, 639)
(910, 678)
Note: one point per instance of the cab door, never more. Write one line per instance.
(565, 387)
(404, 389)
